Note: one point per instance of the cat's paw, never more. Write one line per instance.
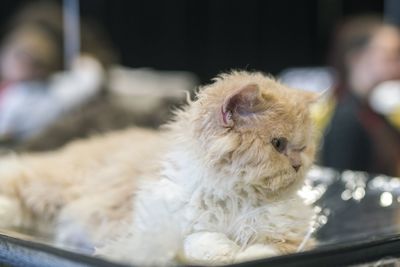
(71, 234)
(256, 251)
(10, 212)
(209, 248)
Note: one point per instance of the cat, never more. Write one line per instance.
(216, 185)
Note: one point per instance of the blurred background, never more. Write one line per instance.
(70, 69)
(207, 37)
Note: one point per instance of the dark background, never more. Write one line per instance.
(210, 36)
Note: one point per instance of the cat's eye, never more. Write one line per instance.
(279, 144)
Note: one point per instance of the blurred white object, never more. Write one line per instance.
(385, 98)
(316, 79)
(145, 81)
(75, 87)
(142, 90)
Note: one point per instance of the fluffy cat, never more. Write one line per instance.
(215, 186)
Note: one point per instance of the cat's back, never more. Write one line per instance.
(129, 152)
(133, 145)
(139, 139)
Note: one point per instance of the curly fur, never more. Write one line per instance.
(209, 188)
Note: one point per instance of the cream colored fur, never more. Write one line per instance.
(210, 188)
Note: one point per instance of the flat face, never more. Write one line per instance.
(265, 132)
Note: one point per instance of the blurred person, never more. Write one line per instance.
(28, 57)
(33, 91)
(133, 97)
(366, 53)
(70, 108)
(65, 106)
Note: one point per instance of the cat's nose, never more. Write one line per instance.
(296, 167)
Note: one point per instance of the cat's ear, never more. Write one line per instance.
(246, 101)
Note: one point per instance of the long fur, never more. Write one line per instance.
(203, 190)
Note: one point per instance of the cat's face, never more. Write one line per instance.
(256, 131)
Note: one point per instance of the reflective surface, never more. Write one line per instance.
(353, 206)
(357, 222)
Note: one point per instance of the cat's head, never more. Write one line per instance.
(255, 131)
